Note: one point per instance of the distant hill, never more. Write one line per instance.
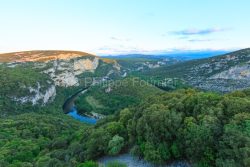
(177, 55)
(223, 73)
(139, 62)
(146, 62)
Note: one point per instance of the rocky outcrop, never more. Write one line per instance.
(64, 72)
(237, 72)
(36, 95)
(83, 65)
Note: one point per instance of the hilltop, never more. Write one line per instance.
(41, 55)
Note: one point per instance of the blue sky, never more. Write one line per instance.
(124, 26)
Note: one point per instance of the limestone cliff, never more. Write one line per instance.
(63, 69)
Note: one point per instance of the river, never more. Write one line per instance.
(73, 113)
(70, 109)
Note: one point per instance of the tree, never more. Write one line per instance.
(116, 128)
(152, 154)
(198, 139)
(97, 143)
(125, 115)
(234, 146)
(115, 145)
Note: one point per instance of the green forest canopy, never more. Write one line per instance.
(204, 128)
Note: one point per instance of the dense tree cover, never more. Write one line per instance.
(204, 128)
(207, 129)
(41, 140)
(193, 125)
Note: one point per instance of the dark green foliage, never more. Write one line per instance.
(205, 128)
(44, 140)
(97, 143)
(235, 142)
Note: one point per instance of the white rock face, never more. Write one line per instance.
(37, 95)
(49, 94)
(85, 65)
(117, 66)
(64, 72)
(237, 72)
(66, 79)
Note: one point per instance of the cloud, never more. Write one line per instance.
(200, 40)
(123, 49)
(190, 32)
(114, 38)
(120, 39)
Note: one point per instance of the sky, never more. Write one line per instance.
(106, 27)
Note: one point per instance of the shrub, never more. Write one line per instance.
(88, 164)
